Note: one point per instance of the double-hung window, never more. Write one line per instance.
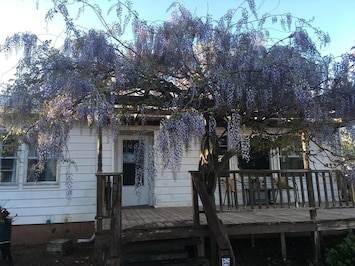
(49, 172)
(8, 159)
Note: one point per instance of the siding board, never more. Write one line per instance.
(34, 203)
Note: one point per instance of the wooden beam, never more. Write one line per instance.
(316, 245)
(116, 220)
(283, 246)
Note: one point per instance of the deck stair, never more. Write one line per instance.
(163, 252)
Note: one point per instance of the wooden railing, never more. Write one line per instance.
(109, 212)
(284, 189)
(109, 190)
(263, 189)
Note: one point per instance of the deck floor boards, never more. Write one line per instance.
(272, 220)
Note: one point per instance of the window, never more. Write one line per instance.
(291, 156)
(223, 147)
(8, 147)
(291, 162)
(259, 154)
(257, 160)
(49, 173)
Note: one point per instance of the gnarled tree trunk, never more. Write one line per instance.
(216, 227)
(210, 167)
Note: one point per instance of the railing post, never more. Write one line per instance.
(99, 201)
(196, 211)
(313, 214)
(310, 192)
(219, 194)
(108, 239)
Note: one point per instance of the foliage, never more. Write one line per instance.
(201, 72)
(342, 254)
(5, 216)
(197, 74)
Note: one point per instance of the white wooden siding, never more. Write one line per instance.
(37, 203)
(322, 158)
(175, 190)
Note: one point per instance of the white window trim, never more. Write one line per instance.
(17, 168)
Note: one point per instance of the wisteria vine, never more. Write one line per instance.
(193, 67)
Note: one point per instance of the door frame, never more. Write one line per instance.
(130, 196)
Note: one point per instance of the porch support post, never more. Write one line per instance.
(311, 199)
(316, 245)
(201, 248)
(99, 202)
(213, 251)
(252, 241)
(283, 246)
(116, 220)
(309, 181)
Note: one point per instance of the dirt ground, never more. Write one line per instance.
(265, 252)
(37, 255)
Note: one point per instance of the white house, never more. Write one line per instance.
(62, 202)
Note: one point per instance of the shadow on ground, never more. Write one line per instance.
(265, 252)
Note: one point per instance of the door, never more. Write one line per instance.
(127, 163)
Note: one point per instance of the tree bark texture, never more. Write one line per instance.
(216, 227)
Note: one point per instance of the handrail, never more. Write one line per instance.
(109, 196)
(109, 206)
(296, 188)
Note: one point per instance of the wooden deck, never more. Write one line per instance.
(139, 224)
(257, 203)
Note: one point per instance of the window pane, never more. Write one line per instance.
(129, 174)
(257, 160)
(8, 159)
(223, 147)
(49, 172)
(8, 170)
(129, 162)
(291, 156)
(291, 163)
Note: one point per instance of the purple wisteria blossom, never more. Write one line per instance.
(197, 67)
(206, 76)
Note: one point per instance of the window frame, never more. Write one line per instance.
(28, 157)
(15, 163)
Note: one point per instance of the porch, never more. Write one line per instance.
(308, 202)
(165, 222)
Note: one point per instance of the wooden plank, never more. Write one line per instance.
(176, 222)
(283, 246)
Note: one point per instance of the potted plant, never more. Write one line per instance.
(5, 234)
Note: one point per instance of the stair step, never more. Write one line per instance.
(199, 261)
(162, 252)
(157, 255)
(168, 244)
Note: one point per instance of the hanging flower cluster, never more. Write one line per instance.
(185, 63)
(234, 132)
(176, 133)
(139, 150)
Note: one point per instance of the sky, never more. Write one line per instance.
(333, 16)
